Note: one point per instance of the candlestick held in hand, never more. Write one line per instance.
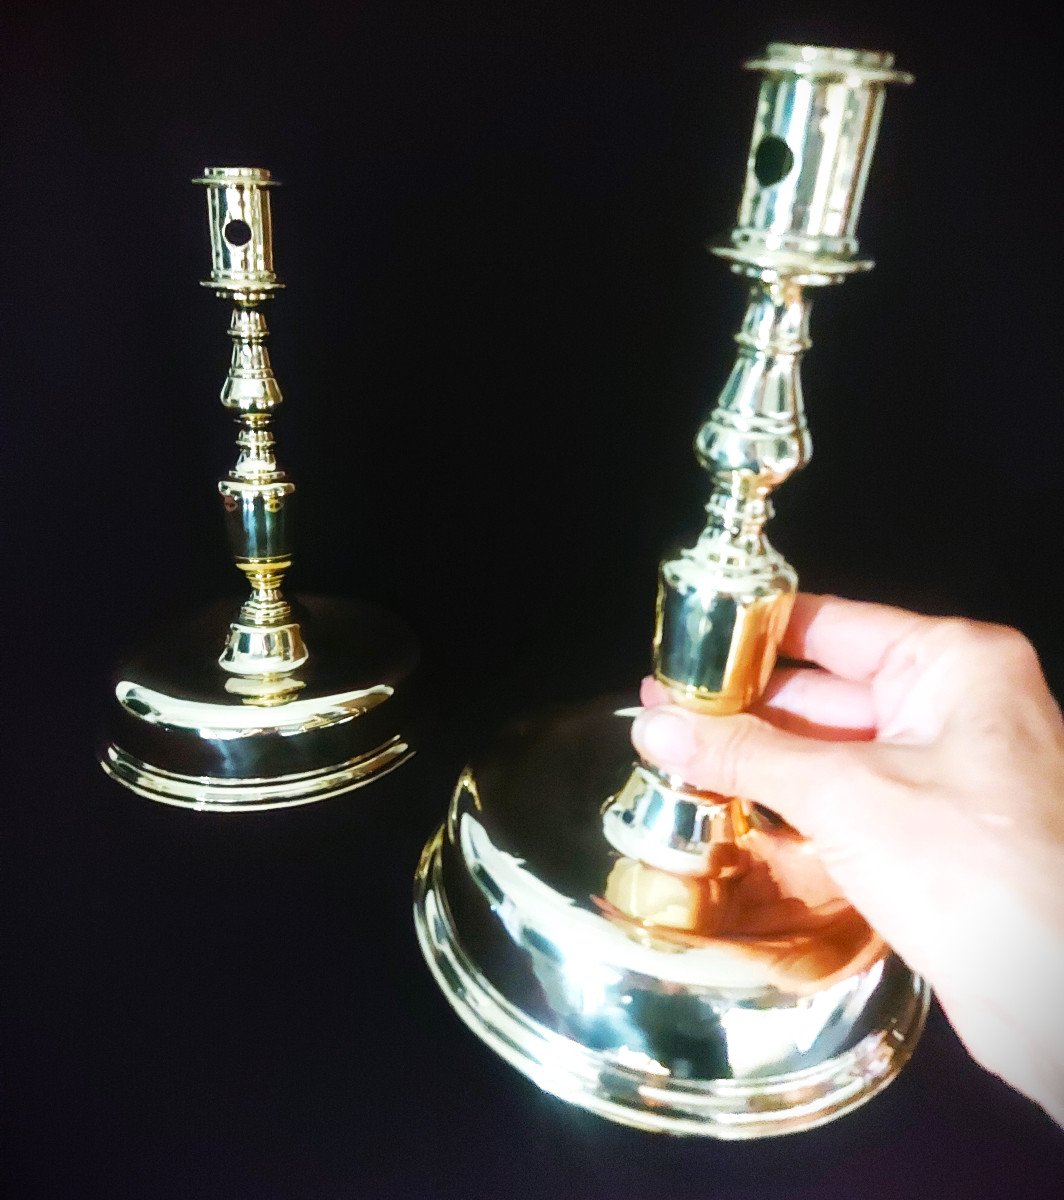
(671, 959)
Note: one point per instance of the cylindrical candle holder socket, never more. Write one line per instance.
(816, 125)
(672, 959)
(252, 719)
(241, 230)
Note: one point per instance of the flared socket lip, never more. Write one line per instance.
(244, 286)
(236, 177)
(810, 270)
(828, 62)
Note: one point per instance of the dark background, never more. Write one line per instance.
(500, 334)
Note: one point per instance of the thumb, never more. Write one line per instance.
(747, 757)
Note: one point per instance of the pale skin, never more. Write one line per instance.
(924, 758)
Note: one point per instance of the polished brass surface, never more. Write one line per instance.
(743, 1001)
(723, 604)
(715, 647)
(672, 959)
(817, 119)
(239, 220)
(185, 732)
(264, 642)
(300, 701)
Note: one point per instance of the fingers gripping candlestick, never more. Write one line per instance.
(255, 719)
(676, 960)
(724, 603)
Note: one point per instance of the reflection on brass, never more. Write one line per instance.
(688, 633)
(655, 897)
(750, 885)
(219, 795)
(663, 822)
(671, 959)
(723, 604)
(739, 999)
(254, 719)
(765, 897)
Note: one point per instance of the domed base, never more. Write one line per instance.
(184, 731)
(783, 1016)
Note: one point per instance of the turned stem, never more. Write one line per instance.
(257, 495)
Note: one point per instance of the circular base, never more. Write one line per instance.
(630, 1095)
(184, 731)
(662, 1029)
(247, 795)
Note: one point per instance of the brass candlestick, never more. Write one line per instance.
(675, 960)
(306, 699)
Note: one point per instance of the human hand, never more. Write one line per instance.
(924, 759)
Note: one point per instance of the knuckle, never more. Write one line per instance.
(1001, 642)
(961, 632)
(733, 752)
(1014, 647)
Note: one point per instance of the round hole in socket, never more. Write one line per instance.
(237, 233)
(773, 160)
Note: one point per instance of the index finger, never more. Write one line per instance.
(850, 638)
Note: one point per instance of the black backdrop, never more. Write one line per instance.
(499, 335)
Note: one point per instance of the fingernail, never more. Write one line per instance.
(666, 737)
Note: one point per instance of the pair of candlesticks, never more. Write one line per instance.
(670, 959)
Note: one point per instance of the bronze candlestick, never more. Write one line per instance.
(670, 959)
(306, 699)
